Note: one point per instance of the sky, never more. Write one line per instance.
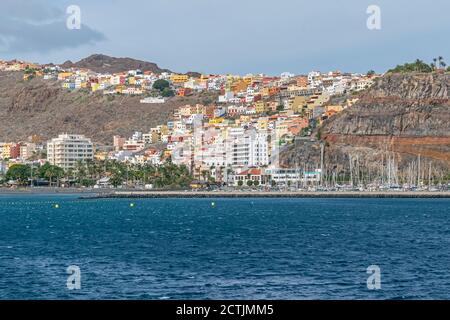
(232, 36)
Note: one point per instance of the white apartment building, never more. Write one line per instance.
(210, 147)
(247, 148)
(66, 150)
(259, 148)
(224, 147)
(314, 79)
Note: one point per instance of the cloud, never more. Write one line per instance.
(37, 26)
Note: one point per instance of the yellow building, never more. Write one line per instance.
(298, 104)
(248, 79)
(244, 118)
(167, 153)
(101, 155)
(120, 88)
(64, 75)
(260, 107)
(6, 150)
(239, 86)
(318, 100)
(264, 92)
(155, 137)
(179, 78)
(335, 108)
(94, 87)
(185, 111)
(197, 109)
(262, 123)
(164, 129)
(216, 120)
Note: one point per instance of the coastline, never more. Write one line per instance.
(256, 194)
(86, 193)
(37, 190)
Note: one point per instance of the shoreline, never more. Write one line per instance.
(87, 194)
(249, 194)
(37, 190)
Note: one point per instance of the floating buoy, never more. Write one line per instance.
(213, 204)
(131, 205)
(56, 206)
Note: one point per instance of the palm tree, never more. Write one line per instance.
(80, 171)
(435, 63)
(442, 64)
(418, 64)
(53, 172)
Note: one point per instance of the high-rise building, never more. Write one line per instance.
(247, 147)
(68, 149)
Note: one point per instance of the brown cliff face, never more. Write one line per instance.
(43, 108)
(399, 105)
(405, 115)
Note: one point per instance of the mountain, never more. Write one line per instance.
(43, 108)
(105, 64)
(401, 117)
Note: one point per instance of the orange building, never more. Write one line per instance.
(239, 86)
(208, 111)
(302, 81)
(183, 92)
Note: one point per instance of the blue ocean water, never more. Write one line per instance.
(234, 249)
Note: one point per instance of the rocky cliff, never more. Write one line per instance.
(401, 117)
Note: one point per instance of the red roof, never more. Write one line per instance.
(251, 171)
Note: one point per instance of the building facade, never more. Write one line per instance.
(68, 149)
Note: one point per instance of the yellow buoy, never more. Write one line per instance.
(56, 206)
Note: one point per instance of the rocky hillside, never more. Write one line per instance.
(105, 64)
(42, 107)
(401, 116)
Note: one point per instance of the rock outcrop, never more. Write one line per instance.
(106, 64)
(402, 116)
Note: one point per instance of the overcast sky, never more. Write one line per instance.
(232, 36)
